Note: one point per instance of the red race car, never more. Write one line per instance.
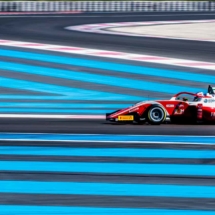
(193, 108)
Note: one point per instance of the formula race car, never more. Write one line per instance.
(193, 108)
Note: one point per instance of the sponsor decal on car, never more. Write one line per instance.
(210, 100)
(126, 118)
(179, 111)
(170, 105)
(212, 114)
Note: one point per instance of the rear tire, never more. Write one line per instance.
(156, 115)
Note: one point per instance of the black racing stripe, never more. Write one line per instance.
(14, 92)
(105, 159)
(92, 144)
(107, 201)
(103, 145)
(84, 174)
(104, 178)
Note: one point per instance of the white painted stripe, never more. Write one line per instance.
(105, 141)
(104, 28)
(110, 54)
(47, 116)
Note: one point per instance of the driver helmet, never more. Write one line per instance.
(200, 94)
(197, 96)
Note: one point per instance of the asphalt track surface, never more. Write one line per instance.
(49, 29)
(81, 126)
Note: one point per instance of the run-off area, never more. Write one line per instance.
(34, 82)
(80, 174)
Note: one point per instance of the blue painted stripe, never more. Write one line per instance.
(34, 97)
(111, 66)
(109, 168)
(107, 152)
(98, 79)
(42, 97)
(73, 93)
(59, 210)
(48, 110)
(111, 189)
(60, 105)
(108, 137)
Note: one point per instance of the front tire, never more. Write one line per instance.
(156, 115)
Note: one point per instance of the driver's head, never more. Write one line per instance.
(200, 94)
(195, 98)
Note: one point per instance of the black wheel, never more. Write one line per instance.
(156, 115)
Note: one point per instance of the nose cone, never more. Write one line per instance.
(108, 116)
(113, 116)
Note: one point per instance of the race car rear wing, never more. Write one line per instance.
(211, 90)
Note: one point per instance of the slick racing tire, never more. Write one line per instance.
(156, 115)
